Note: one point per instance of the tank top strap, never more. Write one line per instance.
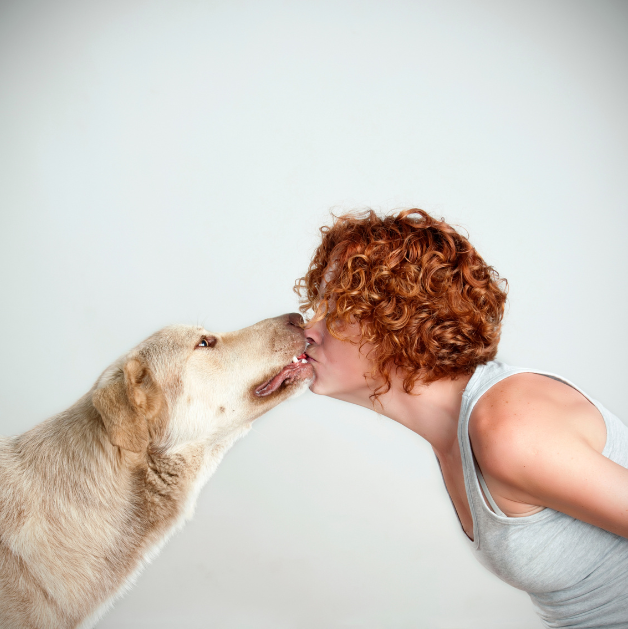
(487, 493)
(484, 377)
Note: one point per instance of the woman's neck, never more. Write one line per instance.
(431, 410)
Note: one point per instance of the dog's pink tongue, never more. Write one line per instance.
(275, 383)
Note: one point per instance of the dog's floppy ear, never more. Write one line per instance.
(127, 403)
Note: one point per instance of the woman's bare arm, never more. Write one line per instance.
(538, 443)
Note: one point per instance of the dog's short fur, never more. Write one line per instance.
(88, 496)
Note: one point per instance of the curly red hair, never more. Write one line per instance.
(425, 300)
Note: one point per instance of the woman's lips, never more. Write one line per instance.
(305, 356)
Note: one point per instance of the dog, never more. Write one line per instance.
(89, 496)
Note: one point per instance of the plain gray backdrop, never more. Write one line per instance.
(171, 161)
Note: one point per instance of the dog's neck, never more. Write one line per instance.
(102, 509)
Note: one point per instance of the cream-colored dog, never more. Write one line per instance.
(88, 496)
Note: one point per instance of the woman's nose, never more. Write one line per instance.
(313, 334)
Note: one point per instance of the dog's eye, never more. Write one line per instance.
(207, 341)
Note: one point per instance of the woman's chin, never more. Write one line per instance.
(315, 387)
(321, 388)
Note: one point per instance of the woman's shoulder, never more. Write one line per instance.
(527, 414)
(539, 443)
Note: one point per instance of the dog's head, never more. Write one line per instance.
(186, 384)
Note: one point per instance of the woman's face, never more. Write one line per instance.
(339, 365)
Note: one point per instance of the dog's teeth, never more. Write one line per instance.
(303, 360)
(295, 359)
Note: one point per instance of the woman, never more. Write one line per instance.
(407, 320)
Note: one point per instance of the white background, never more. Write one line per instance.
(171, 161)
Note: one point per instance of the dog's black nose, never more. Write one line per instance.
(295, 319)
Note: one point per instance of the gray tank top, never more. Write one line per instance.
(575, 573)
